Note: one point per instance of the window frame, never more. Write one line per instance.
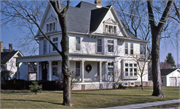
(110, 44)
(78, 44)
(132, 49)
(55, 42)
(54, 66)
(51, 26)
(79, 68)
(100, 46)
(110, 66)
(44, 46)
(126, 48)
(110, 29)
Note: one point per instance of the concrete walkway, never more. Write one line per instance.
(143, 105)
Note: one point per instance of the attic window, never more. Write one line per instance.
(51, 27)
(110, 29)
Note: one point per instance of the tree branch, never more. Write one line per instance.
(165, 14)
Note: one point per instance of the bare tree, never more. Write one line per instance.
(142, 62)
(20, 10)
(156, 30)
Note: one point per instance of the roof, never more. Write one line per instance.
(78, 18)
(97, 16)
(6, 56)
(85, 17)
(165, 72)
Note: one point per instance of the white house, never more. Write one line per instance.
(170, 77)
(8, 61)
(100, 48)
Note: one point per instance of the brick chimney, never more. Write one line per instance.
(98, 3)
(1, 46)
(10, 48)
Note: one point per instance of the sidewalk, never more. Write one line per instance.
(143, 105)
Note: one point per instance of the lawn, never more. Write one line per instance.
(84, 99)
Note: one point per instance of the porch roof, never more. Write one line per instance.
(72, 57)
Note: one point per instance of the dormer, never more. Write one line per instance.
(51, 24)
(110, 26)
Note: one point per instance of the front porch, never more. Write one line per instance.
(84, 70)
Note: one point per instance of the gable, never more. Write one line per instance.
(110, 19)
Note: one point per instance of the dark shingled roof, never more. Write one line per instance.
(78, 18)
(165, 72)
(97, 16)
(6, 56)
(85, 17)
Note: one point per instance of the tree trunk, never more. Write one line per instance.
(156, 34)
(141, 83)
(157, 84)
(65, 61)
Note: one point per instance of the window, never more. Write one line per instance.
(131, 48)
(142, 49)
(78, 46)
(130, 69)
(132, 84)
(77, 68)
(98, 68)
(135, 69)
(126, 48)
(54, 70)
(51, 27)
(110, 29)
(125, 84)
(110, 45)
(45, 47)
(99, 45)
(110, 68)
(54, 67)
(55, 41)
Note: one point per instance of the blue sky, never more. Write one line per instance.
(10, 34)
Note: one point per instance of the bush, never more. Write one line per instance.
(34, 87)
(136, 85)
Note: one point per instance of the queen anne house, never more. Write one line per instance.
(100, 48)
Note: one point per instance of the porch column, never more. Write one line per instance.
(82, 70)
(17, 73)
(50, 70)
(37, 73)
(100, 71)
(106, 71)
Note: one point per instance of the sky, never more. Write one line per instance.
(9, 35)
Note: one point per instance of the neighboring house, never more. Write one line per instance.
(170, 77)
(8, 61)
(100, 48)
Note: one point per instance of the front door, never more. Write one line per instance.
(44, 71)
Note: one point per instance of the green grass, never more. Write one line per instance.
(84, 99)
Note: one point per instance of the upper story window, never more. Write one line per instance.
(110, 29)
(55, 41)
(126, 48)
(45, 47)
(110, 26)
(51, 27)
(78, 43)
(110, 45)
(132, 52)
(99, 45)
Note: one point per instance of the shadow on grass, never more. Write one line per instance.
(32, 101)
